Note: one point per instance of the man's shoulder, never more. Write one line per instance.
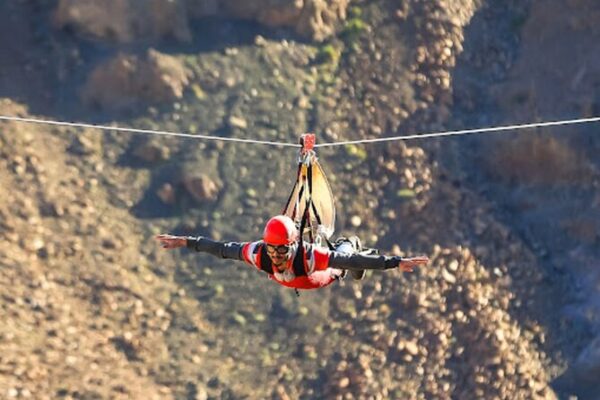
(313, 248)
(318, 256)
(253, 245)
(251, 250)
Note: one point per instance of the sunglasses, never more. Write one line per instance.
(281, 249)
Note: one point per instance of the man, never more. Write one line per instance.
(291, 262)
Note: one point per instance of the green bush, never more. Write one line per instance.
(354, 27)
(328, 54)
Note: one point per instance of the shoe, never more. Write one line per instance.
(356, 243)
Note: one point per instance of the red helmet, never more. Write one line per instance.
(280, 230)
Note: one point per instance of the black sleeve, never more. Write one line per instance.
(231, 250)
(360, 261)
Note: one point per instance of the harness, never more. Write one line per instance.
(304, 181)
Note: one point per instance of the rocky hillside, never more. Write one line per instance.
(91, 308)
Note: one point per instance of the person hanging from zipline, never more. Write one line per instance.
(285, 255)
(292, 262)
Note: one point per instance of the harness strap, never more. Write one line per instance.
(305, 218)
(266, 264)
(297, 202)
(298, 264)
(309, 202)
(287, 204)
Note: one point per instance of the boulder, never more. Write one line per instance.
(124, 21)
(128, 81)
(201, 187)
(315, 19)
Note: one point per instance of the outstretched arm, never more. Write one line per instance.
(360, 261)
(230, 250)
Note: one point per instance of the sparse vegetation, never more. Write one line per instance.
(328, 54)
(353, 30)
(93, 308)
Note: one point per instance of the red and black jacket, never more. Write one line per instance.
(311, 266)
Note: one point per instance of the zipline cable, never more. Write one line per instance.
(283, 144)
(145, 131)
(464, 132)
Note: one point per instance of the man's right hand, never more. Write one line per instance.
(408, 264)
(171, 242)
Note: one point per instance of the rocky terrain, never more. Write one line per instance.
(92, 308)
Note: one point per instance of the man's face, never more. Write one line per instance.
(278, 254)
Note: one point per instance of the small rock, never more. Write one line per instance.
(412, 348)
(303, 102)
(453, 266)
(239, 319)
(201, 394)
(448, 277)
(166, 193)
(237, 122)
(83, 145)
(260, 41)
(37, 244)
(344, 382)
(152, 152)
(202, 188)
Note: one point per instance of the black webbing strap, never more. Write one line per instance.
(309, 202)
(287, 204)
(329, 244)
(302, 226)
(265, 262)
(300, 193)
(298, 263)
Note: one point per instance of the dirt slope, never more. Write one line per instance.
(91, 308)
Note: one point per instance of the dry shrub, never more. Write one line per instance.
(534, 159)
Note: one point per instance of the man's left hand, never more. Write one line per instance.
(171, 242)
